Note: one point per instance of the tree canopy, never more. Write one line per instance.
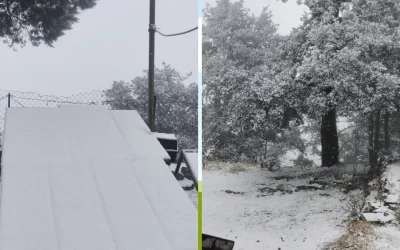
(38, 21)
(176, 102)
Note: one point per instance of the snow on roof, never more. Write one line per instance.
(81, 106)
(143, 144)
(79, 178)
(165, 136)
(192, 158)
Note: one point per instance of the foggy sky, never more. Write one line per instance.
(286, 15)
(109, 43)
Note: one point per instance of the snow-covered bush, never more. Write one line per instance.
(302, 161)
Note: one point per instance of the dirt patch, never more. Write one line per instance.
(237, 168)
(359, 235)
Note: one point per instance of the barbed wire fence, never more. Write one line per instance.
(36, 100)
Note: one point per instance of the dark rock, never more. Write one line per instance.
(233, 192)
(390, 203)
(267, 189)
(287, 178)
(320, 182)
(325, 194)
(284, 188)
(310, 187)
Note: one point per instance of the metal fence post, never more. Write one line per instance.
(9, 99)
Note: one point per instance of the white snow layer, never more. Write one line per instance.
(90, 179)
(165, 136)
(192, 158)
(301, 220)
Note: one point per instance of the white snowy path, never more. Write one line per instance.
(301, 220)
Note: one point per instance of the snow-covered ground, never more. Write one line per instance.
(237, 206)
(389, 236)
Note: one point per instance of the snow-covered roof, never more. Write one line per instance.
(89, 179)
(165, 136)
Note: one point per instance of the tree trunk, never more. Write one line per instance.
(387, 137)
(377, 146)
(371, 140)
(329, 139)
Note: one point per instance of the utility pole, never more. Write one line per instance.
(151, 118)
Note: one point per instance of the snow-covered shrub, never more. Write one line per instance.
(355, 204)
(237, 168)
(271, 159)
(303, 162)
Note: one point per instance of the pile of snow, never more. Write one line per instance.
(392, 184)
(165, 136)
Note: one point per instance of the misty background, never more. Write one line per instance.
(286, 15)
(109, 43)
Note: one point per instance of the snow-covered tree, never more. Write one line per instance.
(176, 102)
(346, 63)
(38, 21)
(237, 47)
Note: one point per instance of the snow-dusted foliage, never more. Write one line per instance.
(238, 55)
(343, 61)
(176, 102)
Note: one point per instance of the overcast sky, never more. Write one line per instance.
(109, 43)
(287, 15)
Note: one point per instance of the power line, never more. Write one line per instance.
(175, 34)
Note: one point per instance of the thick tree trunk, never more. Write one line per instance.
(387, 137)
(371, 140)
(377, 146)
(329, 139)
